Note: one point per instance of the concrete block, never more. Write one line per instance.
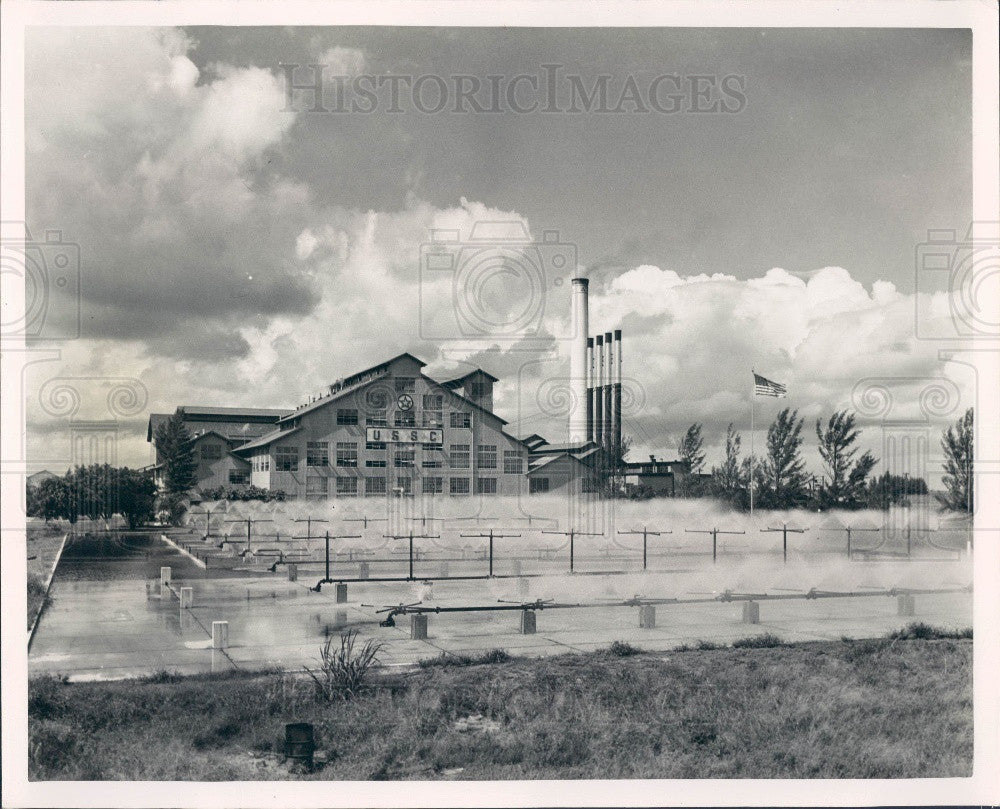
(905, 605)
(751, 612)
(340, 618)
(444, 570)
(647, 617)
(427, 591)
(187, 597)
(220, 634)
(528, 622)
(165, 582)
(365, 571)
(418, 627)
(341, 596)
(293, 572)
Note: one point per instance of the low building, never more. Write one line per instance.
(662, 477)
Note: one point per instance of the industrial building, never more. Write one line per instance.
(391, 430)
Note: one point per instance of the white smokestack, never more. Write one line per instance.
(599, 390)
(578, 361)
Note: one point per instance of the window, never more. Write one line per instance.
(432, 461)
(404, 419)
(405, 384)
(404, 485)
(477, 390)
(375, 463)
(404, 458)
(460, 419)
(347, 415)
(316, 485)
(347, 453)
(211, 452)
(459, 457)
(375, 486)
(433, 401)
(317, 453)
(513, 462)
(486, 486)
(433, 485)
(459, 486)
(239, 477)
(262, 463)
(347, 486)
(433, 419)
(374, 444)
(538, 485)
(486, 456)
(286, 458)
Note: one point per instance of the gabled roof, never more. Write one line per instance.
(541, 463)
(248, 416)
(234, 412)
(459, 381)
(575, 447)
(533, 440)
(323, 401)
(264, 440)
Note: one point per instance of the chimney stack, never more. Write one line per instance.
(591, 368)
(578, 361)
(599, 390)
(616, 401)
(607, 392)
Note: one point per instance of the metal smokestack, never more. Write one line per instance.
(617, 395)
(599, 390)
(609, 372)
(578, 361)
(591, 367)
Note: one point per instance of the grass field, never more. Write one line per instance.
(890, 708)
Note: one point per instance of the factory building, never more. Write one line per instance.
(389, 430)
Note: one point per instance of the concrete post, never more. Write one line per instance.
(418, 627)
(647, 616)
(339, 618)
(164, 582)
(905, 605)
(751, 612)
(365, 572)
(293, 572)
(220, 634)
(187, 597)
(528, 622)
(341, 597)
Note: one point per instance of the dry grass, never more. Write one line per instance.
(892, 708)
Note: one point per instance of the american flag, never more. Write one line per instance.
(765, 387)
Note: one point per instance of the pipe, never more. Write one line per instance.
(578, 361)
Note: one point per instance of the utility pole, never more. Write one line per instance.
(715, 534)
(849, 530)
(491, 536)
(572, 535)
(365, 520)
(411, 536)
(784, 537)
(645, 532)
(309, 521)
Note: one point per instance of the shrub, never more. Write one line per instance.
(765, 641)
(918, 630)
(342, 673)
(450, 659)
(707, 646)
(622, 649)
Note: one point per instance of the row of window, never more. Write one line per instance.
(286, 457)
(432, 416)
(429, 485)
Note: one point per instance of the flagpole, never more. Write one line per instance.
(753, 396)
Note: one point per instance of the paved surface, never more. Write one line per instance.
(120, 626)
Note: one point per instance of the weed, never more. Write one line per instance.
(622, 649)
(342, 673)
(764, 641)
(451, 659)
(707, 646)
(918, 630)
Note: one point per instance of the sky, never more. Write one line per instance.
(238, 248)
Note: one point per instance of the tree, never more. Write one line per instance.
(174, 451)
(780, 480)
(957, 443)
(729, 481)
(52, 499)
(689, 449)
(614, 471)
(846, 486)
(136, 496)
